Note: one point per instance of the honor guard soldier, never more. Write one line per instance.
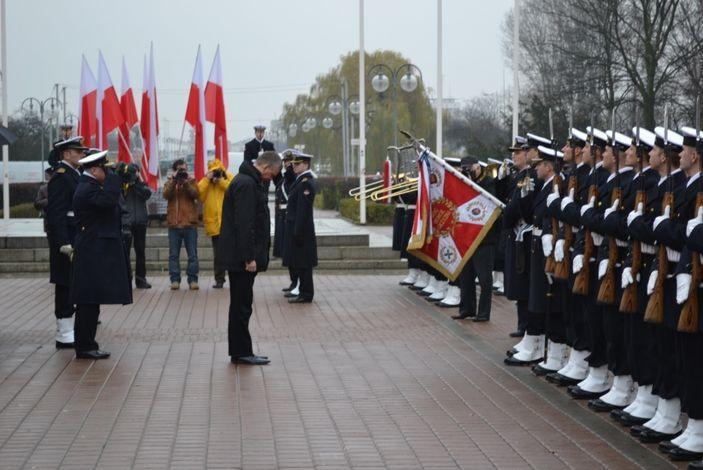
(257, 145)
(55, 154)
(283, 187)
(61, 233)
(100, 274)
(300, 243)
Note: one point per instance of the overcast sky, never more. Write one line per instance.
(271, 49)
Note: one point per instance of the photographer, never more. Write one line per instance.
(212, 192)
(135, 193)
(181, 192)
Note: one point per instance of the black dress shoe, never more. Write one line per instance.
(697, 465)
(580, 394)
(288, 295)
(561, 380)
(143, 285)
(511, 361)
(443, 305)
(424, 293)
(95, 354)
(414, 287)
(511, 352)
(461, 316)
(299, 300)
(683, 455)
(265, 358)
(60, 345)
(649, 436)
(218, 285)
(626, 419)
(539, 371)
(638, 429)
(600, 406)
(288, 289)
(250, 360)
(481, 319)
(517, 334)
(667, 446)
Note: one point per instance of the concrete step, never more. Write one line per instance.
(155, 267)
(23, 255)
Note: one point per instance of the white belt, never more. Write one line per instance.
(70, 214)
(401, 206)
(282, 206)
(648, 249)
(672, 255)
(537, 232)
(411, 206)
(620, 243)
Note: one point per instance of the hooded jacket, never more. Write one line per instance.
(211, 195)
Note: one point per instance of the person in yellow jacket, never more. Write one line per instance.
(212, 192)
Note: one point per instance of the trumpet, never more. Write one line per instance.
(405, 187)
(354, 192)
(526, 181)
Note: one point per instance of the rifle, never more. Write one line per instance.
(689, 318)
(628, 303)
(549, 263)
(655, 307)
(561, 268)
(582, 279)
(606, 292)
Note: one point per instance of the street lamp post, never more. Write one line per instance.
(54, 104)
(407, 77)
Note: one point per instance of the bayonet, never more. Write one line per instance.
(551, 128)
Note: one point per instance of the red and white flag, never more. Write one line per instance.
(108, 112)
(149, 125)
(387, 178)
(129, 112)
(86, 106)
(195, 115)
(215, 109)
(452, 217)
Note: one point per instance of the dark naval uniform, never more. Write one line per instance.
(254, 147)
(283, 188)
(300, 243)
(100, 273)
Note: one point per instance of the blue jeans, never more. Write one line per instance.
(189, 237)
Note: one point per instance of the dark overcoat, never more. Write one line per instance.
(300, 243)
(61, 221)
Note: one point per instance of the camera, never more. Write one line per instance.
(219, 173)
(128, 173)
(181, 176)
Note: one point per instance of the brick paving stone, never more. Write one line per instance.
(369, 376)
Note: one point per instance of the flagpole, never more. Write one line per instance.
(439, 79)
(5, 148)
(516, 67)
(362, 115)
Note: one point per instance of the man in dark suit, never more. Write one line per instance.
(243, 249)
(481, 262)
(257, 145)
(100, 274)
(300, 244)
(61, 232)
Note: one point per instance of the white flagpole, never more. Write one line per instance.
(516, 67)
(362, 115)
(440, 103)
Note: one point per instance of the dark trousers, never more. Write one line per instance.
(616, 350)
(480, 265)
(692, 372)
(307, 288)
(593, 315)
(293, 277)
(522, 314)
(219, 272)
(241, 298)
(85, 326)
(667, 383)
(139, 240)
(62, 301)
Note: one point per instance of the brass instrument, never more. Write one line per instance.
(369, 187)
(398, 189)
(527, 180)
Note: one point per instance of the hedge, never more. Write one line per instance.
(21, 193)
(376, 213)
(23, 211)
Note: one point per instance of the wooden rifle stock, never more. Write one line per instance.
(581, 281)
(549, 263)
(628, 303)
(606, 292)
(655, 307)
(689, 319)
(561, 268)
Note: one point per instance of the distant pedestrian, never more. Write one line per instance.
(41, 200)
(257, 145)
(135, 194)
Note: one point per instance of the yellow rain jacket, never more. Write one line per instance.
(211, 195)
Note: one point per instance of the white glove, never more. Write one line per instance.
(597, 238)
(661, 218)
(634, 214)
(611, 209)
(586, 207)
(694, 222)
(528, 188)
(502, 171)
(602, 268)
(652, 282)
(559, 250)
(550, 279)
(683, 287)
(566, 200)
(627, 278)
(577, 264)
(547, 240)
(66, 250)
(553, 196)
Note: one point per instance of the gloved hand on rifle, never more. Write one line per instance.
(634, 214)
(661, 218)
(587, 207)
(566, 200)
(612, 209)
(627, 277)
(528, 187)
(683, 287)
(602, 268)
(553, 196)
(559, 250)
(652, 281)
(66, 250)
(694, 222)
(547, 241)
(577, 264)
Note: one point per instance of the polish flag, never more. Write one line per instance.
(215, 109)
(149, 125)
(86, 106)
(129, 111)
(109, 115)
(387, 178)
(195, 116)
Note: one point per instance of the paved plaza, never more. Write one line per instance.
(368, 376)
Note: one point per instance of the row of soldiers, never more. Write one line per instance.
(602, 260)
